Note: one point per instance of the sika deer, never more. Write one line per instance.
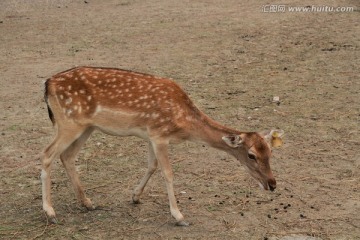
(125, 103)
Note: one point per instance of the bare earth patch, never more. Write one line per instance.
(232, 59)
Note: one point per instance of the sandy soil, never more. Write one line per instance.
(232, 59)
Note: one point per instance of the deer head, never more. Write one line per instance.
(253, 150)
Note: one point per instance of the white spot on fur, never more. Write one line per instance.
(69, 112)
(189, 118)
(98, 109)
(165, 129)
(68, 101)
(155, 115)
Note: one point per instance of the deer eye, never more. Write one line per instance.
(251, 156)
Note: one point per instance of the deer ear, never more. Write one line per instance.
(233, 140)
(274, 137)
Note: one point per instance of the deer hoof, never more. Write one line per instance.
(90, 208)
(135, 199)
(53, 220)
(182, 223)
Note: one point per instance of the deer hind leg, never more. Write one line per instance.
(161, 153)
(68, 159)
(152, 165)
(63, 139)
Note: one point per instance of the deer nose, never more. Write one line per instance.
(272, 184)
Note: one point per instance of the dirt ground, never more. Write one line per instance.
(232, 59)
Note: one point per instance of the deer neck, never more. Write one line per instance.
(210, 132)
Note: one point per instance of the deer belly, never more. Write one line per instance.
(115, 131)
(119, 123)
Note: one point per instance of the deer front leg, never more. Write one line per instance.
(152, 165)
(161, 153)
